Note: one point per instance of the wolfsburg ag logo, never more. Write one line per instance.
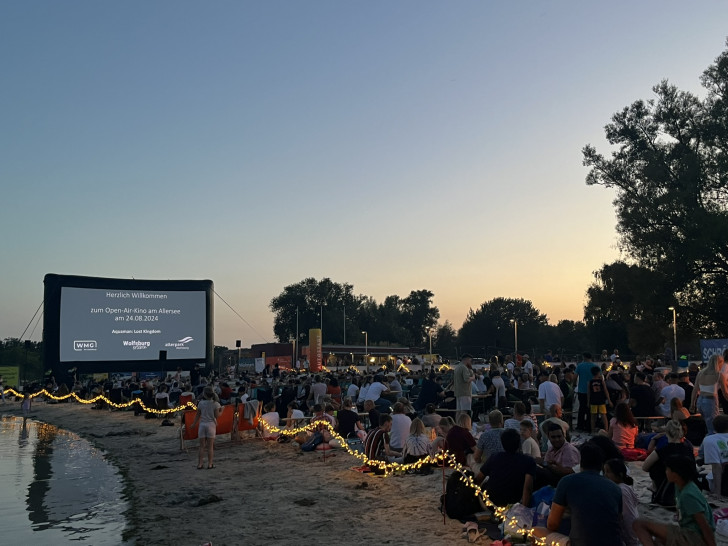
(181, 344)
(85, 345)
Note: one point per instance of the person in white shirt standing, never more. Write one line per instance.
(549, 393)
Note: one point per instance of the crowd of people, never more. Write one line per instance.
(522, 427)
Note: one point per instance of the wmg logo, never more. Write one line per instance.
(85, 345)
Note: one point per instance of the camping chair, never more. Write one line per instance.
(247, 416)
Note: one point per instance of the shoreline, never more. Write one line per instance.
(263, 492)
(258, 493)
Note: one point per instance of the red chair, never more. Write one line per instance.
(245, 424)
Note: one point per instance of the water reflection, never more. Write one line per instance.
(42, 473)
(58, 487)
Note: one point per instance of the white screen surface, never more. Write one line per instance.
(99, 324)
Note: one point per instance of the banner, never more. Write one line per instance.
(315, 350)
(710, 347)
(284, 362)
(10, 376)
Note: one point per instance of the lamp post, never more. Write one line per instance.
(674, 336)
(429, 332)
(515, 337)
(366, 349)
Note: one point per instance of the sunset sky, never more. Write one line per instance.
(396, 145)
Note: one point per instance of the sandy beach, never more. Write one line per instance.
(264, 492)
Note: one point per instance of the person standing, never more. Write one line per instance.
(705, 393)
(462, 380)
(584, 375)
(208, 410)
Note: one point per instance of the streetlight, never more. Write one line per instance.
(429, 333)
(515, 334)
(674, 336)
(366, 349)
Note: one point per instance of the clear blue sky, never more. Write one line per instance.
(392, 145)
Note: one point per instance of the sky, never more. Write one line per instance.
(392, 145)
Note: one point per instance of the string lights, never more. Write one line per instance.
(101, 397)
(441, 459)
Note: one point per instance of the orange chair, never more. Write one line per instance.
(225, 421)
(244, 424)
(224, 425)
(186, 432)
(184, 399)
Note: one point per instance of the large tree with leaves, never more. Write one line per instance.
(490, 325)
(305, 301)
(670, 169)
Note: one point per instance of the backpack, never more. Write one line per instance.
(665, 495)
(311, 444)
(459, 500)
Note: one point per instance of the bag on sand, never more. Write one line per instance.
(311, 444)
(665, 495)
(459, 500)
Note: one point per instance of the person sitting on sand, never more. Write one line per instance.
(459, 440)
(295, 416)
(373, 412)
(400, 427)
(615, 470)
(555, 416)
(376, 445)
(595, 503)
(695, 525)
(489, 441)
(561, 458)
(349, 423)
(715, 451)
(623, 427)
(438, 444)
(519, 414)
(272, 419)
(510, 473)
(430, 418)
(676, 445)
(417, 445)
(529, 446)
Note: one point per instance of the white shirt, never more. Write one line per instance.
(375, 391)
(400, 430)
(668, 393)
(352, 391)
(500, 388)
(272, 419)
(528, 367)
(550, 393)
(363, 393)
(715, 448)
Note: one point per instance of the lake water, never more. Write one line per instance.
(56, 488)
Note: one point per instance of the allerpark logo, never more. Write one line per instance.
(85, 345)
(180, 344)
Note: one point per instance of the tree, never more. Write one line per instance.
(670, 171)
(627, 308)
(444, 341)
(490, 325)
(418, 315)
(307, 300)
(401, 321)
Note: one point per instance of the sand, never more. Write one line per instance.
(264, 492)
